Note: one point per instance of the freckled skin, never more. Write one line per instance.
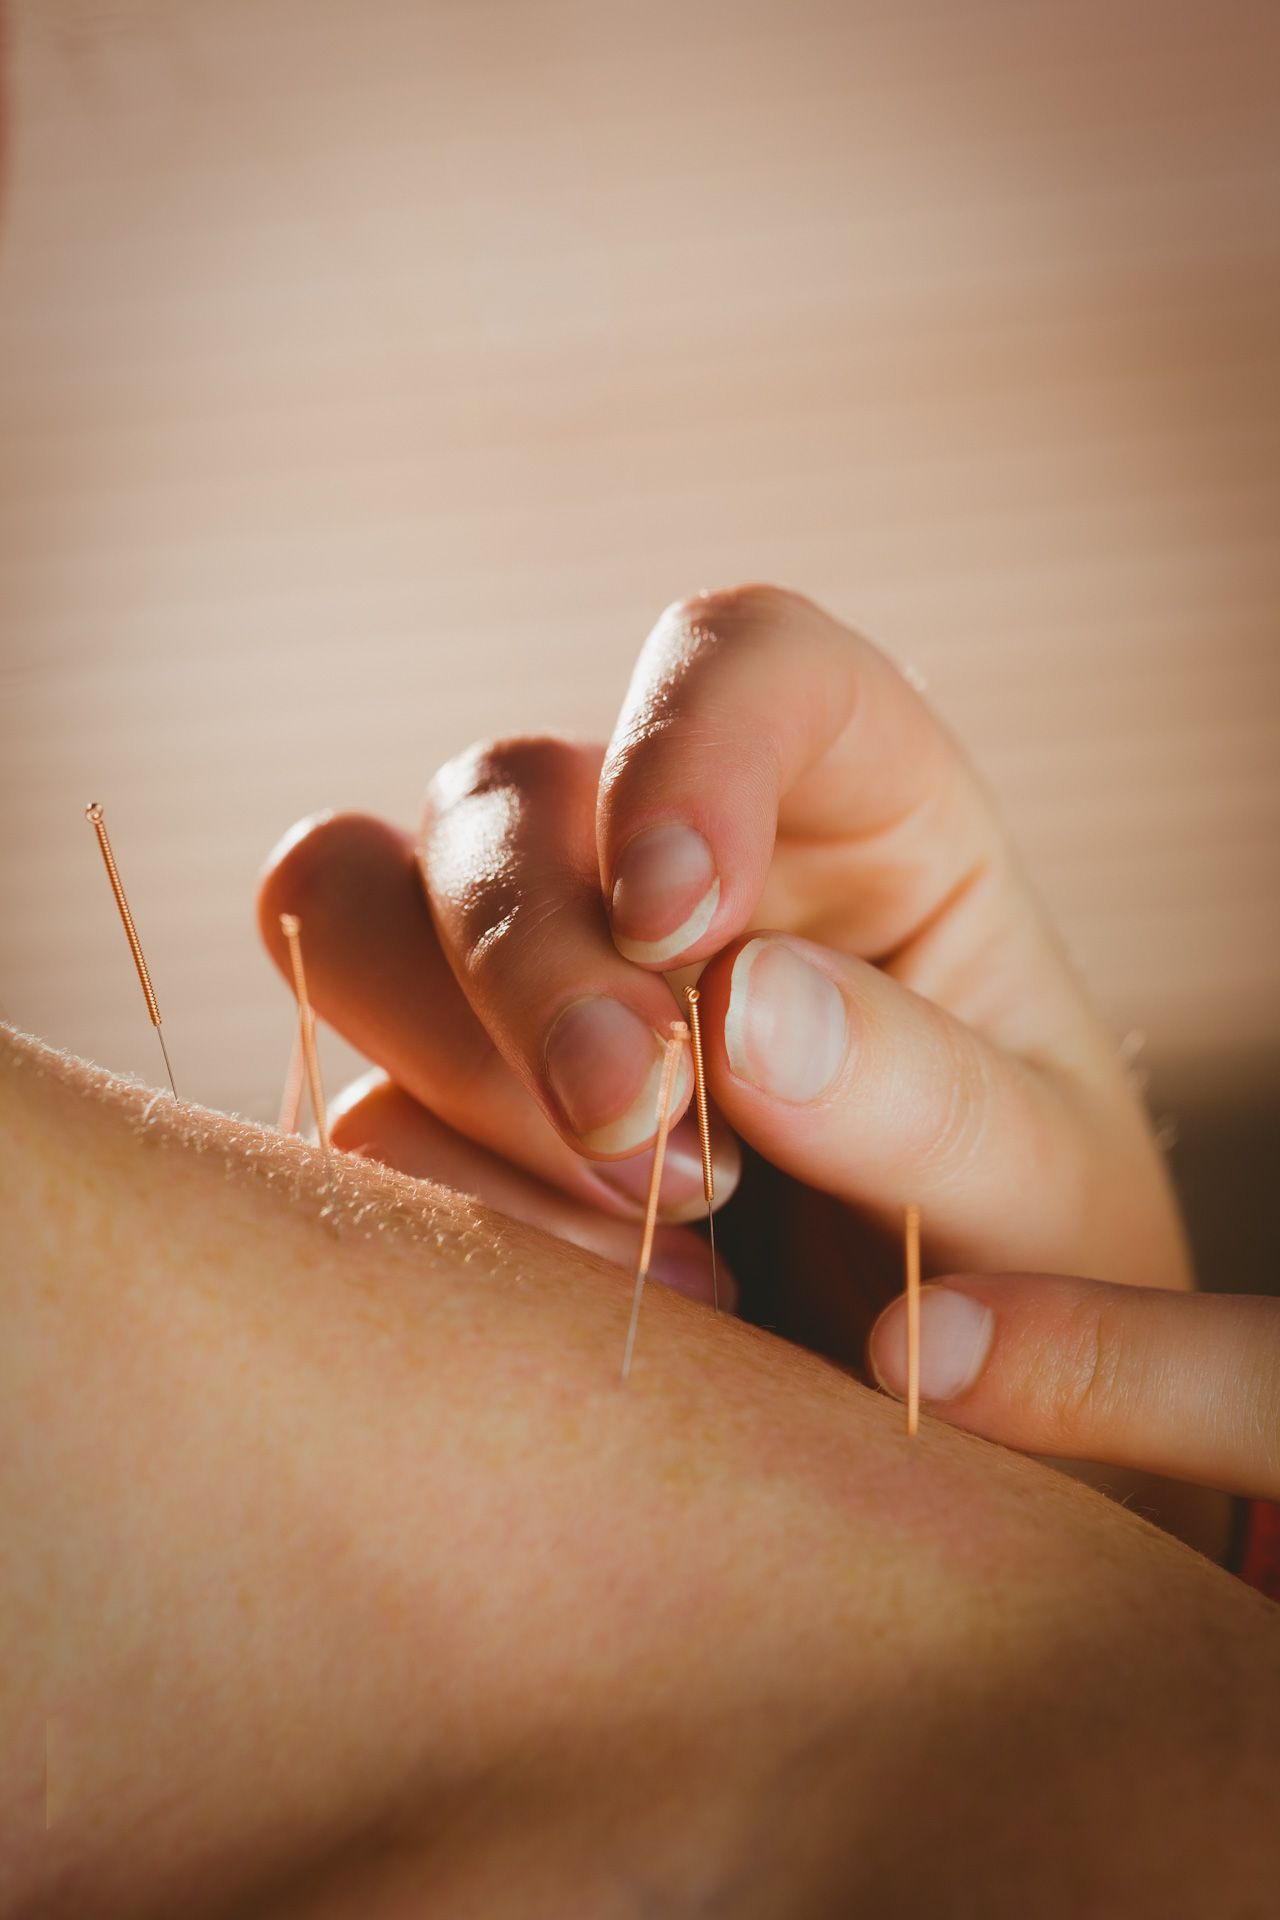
(360, 1585)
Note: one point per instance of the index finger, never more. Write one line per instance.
(753, 708)
(753, 716)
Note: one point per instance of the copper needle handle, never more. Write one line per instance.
(679, 1034)
(913, 1318)
(291, 928)
(93, 814)
(692, 996)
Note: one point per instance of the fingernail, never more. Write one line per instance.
(955, 1339)
(605, 1067)
(786, 1030)
(682, 1191)
(665, 891)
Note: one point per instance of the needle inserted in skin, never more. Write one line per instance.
(692, 995)
(913, 1319)
(93, 814)
(291, 1098)
(679, 1034)
(291, 927)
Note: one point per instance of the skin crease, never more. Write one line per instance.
(346, 1579)
(850, 834)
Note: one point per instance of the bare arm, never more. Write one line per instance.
(337, 1569)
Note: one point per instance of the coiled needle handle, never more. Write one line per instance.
(692, 997)
(678, 1034)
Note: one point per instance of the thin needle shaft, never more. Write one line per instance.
(291, 928)
(692, 996)
(93, 814)
(165, 1051)
(291, 1098)
(913, 1318)
(679, 1034)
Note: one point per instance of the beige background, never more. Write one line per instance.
(371, 373)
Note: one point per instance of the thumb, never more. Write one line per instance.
(1184, 1385)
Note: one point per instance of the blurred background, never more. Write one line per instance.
(373, 371)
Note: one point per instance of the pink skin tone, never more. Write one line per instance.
(887, 1016)
(332, 1469)
(1186, 1385)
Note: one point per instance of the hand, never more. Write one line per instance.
(451, 1109)
(908, 1031)
(1186, 1385)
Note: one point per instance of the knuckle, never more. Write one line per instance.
(511, 929)
(1086, 1388)
(682, 692)
(500, 887)
(513, 763)
(954, 1121)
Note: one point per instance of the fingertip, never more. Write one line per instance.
(604, 1064)
(297, 833)
(359, 1115)
(682, 1262)
(683, 1198)
(786, 1027)
(956, 1335)
(322, 854)
(283, 877)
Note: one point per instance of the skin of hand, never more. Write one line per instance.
(888, 1017)
(339, 1575)
(1186, 1385)
(452, 1109)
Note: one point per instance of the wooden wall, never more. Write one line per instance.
(372, 371)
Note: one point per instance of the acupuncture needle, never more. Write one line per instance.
(291, 1098)
(93, 814)
(912, 1237)
(692, 996)
(679, 1033)
(291, 928)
